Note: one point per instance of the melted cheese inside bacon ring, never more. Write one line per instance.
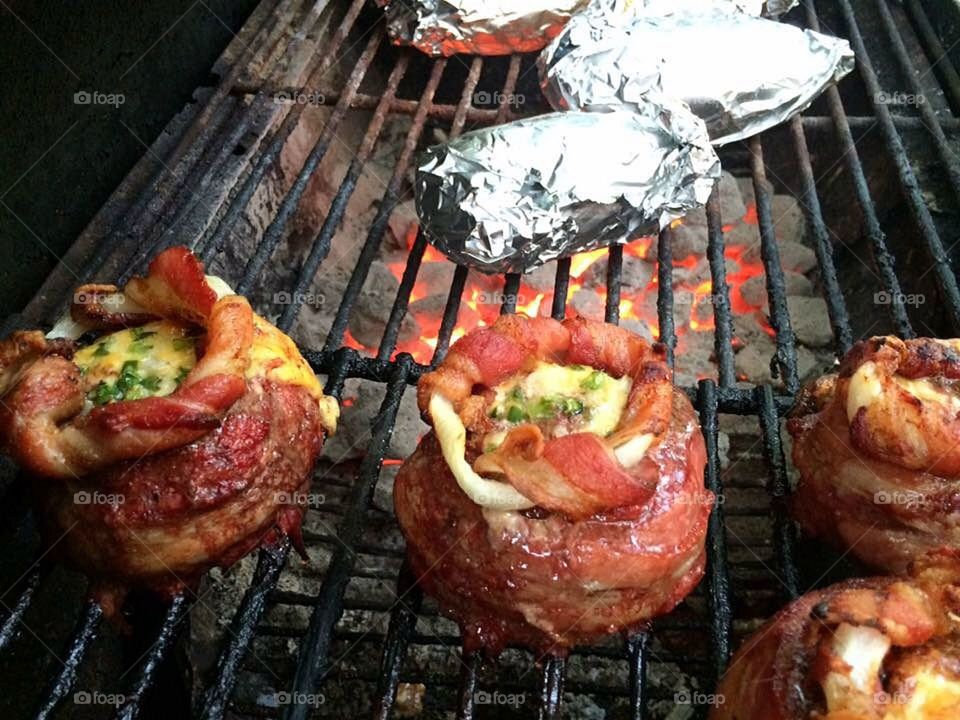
(866, 649)
(878, 449)
(533, 412)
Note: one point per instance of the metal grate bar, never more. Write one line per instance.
(614, 266)
(386, 206)
(270, 564)
(486, 116)
(313, 662)
(450, 312)
(940, 61)
(273, 235)
(468, 685)
(400, 303)
(784, 533)
(637, 656)
(718, 575)
(776, 289)
(83, 636)
(10, 625)
(810, 201)
(946, 280)
(930, 120)
(133, 224)
(561, 287)
(322, 242)
(551, 689)
(268, 157)
(667, 334)
(511, 288)
(403, 622)
(720, 292)
(169, 629)
(882, 257)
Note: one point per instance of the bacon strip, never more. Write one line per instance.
(885, 482)
(578, 475)
(779, 673)
(41, 419)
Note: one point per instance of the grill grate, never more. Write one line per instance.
(239, 108)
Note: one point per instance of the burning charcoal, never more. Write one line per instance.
(789, 222)
(689, 240)
(402, 225)
(747, 191)
(635, 274)
(759, 72)
(754, 290)
(362, 400)
(732, 207)
(810, 320)
(743, 235)
(372, 310)
(793, 256)
(511, 197)
(436, 277)
(543, 278)
(588, 303)
(637, 327)
(753, 362)
(492, 27)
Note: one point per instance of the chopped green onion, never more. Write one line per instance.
(139, 333)
(181, 344)
(516, 414)
(102, 350)
(593, 381)
(139, 347)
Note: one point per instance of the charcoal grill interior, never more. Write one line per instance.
(879, 183)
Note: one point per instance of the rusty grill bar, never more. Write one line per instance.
(218, 130)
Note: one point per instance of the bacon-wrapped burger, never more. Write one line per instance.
(866, 649)
(560, 494)
(181, 437)
(878, 449)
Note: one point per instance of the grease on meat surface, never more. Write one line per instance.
(868, 649)
(198, 419)
(560, 497)
(878, 449)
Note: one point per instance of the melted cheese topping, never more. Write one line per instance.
(452, 436)
(164, 353)
(934, 697)
(151, 360)
(594, 401)
(931, 697)
(601, 397)
(275, 356)
(866, 388)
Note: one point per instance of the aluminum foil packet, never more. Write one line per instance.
(479, 27)
(629, 9)
(512, 197)
(741, 74)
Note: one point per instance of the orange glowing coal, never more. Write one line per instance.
(483, 294)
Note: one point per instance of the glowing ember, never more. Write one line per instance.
(483, 294)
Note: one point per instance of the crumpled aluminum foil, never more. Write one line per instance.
(511, 197)
(638, 8)
(741, 74)
(480, 27)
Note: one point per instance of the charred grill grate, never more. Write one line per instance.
(239, 107)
